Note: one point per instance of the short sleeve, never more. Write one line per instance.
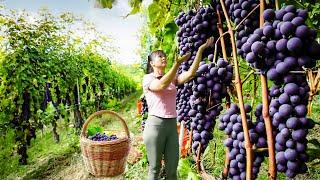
(147, 79)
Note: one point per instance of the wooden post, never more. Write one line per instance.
(248, 145)
(265, 113)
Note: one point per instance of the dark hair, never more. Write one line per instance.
(149, 67)
(151, 58)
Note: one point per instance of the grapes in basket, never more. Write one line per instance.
(102, 137)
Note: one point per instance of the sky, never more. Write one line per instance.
(124, 32)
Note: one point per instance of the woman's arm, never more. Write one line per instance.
(163, 83)
(188, 75)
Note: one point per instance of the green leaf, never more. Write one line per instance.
(94, 130)
(104, 3)
(136, 7)
(171, 28)
(315, 142)
(185, 169)
(313, 153)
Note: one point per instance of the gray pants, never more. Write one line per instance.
(161, 138)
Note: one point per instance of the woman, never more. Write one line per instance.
(160, 134)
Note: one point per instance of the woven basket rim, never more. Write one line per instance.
(84, 139)
(84, 134)
(95, 154)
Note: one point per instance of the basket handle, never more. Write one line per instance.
(90, 118)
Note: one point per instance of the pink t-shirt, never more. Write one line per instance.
(160, 103)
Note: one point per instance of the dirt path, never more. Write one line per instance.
(72, 168)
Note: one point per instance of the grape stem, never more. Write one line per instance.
(245, 18)
(265, 113)
(213, 107)
(247, 77)
(223, 45)
(248, 145)
(216, 46)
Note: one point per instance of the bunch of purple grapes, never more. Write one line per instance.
(183, 106)
(144, 111)
(209, 89)
(283, 44)
(231, 123)
(102, 137)
(260, 129)
(238, 10)
(195, 27)
(286, 44)
(288, 109)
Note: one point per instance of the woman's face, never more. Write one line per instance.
(159, 61)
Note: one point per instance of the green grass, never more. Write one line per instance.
(42, 151)
(138, 170)
(213, 158)
(9, 162)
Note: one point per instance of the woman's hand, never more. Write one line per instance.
(206, 44)
(185, 57)
(188, 75)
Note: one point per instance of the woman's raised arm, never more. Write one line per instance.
(164, 82)
(188, 75)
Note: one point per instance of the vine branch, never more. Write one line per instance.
(248, 145)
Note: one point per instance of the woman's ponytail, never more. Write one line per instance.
(149, 67)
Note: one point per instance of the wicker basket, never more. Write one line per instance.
(105, 158)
